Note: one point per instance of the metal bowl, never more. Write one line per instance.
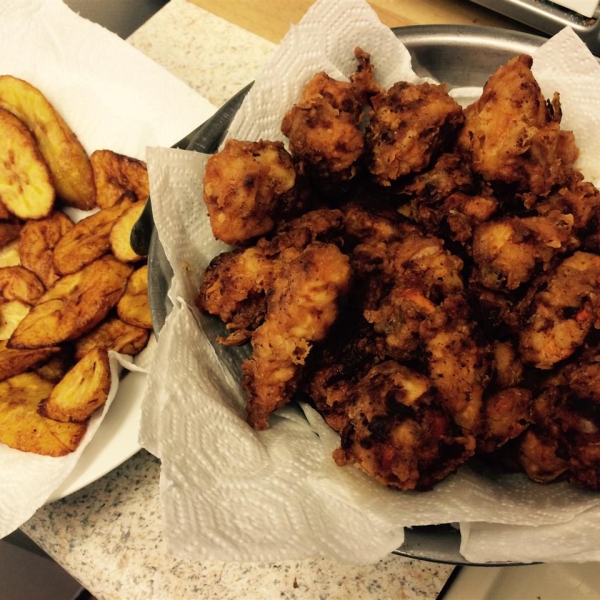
(460, 56)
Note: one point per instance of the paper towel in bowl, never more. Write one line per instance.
(231, 493)
(113, 97)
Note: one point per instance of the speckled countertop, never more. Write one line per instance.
(109, 535)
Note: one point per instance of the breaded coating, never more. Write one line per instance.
(458, 364)
(506, 414)
(508, 366)
(578, 198)
(398, 433)
(539, 456)
(562, 312)
(235, 283)
(248, 187)
(301, 307)
(349, 352)
(449, 174)
(513, 135)
(508, 251)
(408, 125)
(323, 127)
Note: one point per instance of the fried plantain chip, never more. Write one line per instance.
(9, 255)
(113, 334)
(26, 187)
(133, 307)
(120, 235)
(4, 214)
(115, 174)
(9, 231)
(56, 367)
(73, 305)
(37, 242)
(11, 314)
(89, 239)
(18, 283)
(65, 156)
(22, 428)
(81, 391)
(15, 362)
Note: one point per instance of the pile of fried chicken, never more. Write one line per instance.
(427, 276)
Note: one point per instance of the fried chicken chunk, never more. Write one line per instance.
(407, 279)
(408, 125)
(512, 134)
(248, 187)
(506, 415)
(301, 307)
(508, 251)
(398, 433)
(563, 311)
(458, 364)
(323, 127)
(235, 283)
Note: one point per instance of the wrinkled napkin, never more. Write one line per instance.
(112, 97)
(231, 493)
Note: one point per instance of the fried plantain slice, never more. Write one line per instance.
(11, 314)
(26, 186)
(133, 307)
(73, 305)
(89, 239)
(37, 242)
(81, 391)
(9, 255)
(22, 428)
(65, 156)
(4, 214)
(115, 174)
(9, 231)
(15, 362)
(18, 283)
(113, 334)
(56, 367)
(120, 235)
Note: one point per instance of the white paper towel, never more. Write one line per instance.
(112, 97)
(230, 493)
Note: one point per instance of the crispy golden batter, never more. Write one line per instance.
(512, 134)
(248, 187)
(300, 310)
(398, 433)
(323, 127)
(506, 414)
(562, 312)
(458, 364)
(236, 283)
(508, 251)
(409, 124)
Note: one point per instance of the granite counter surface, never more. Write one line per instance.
(109, 535)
